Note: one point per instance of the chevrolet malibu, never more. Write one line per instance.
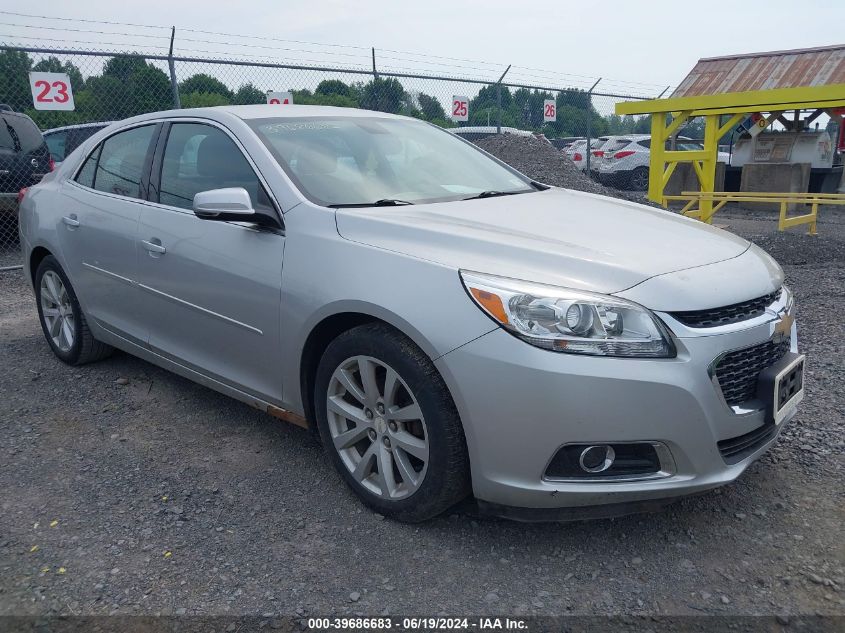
(447, 325)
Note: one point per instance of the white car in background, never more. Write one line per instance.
(577, 151)
(623, 161)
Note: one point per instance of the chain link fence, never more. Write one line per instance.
(108, 86)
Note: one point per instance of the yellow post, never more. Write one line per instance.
(707, 175)
(657, 164)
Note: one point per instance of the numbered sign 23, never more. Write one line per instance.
(460, 108)
(549, 110)
(51, 91)
(279, 98)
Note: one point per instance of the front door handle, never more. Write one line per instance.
(71, 221)
(154, 246)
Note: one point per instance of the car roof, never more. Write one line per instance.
(262, 111)
(267, 111)
(78, 126)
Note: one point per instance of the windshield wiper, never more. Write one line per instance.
(493, 194)
(384, 202)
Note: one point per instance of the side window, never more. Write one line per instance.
(200, 157)
(85, 177)
(56, 143)
(121, 162)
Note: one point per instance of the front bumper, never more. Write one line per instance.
(520, 404)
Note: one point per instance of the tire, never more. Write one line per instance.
(638, 180)
(66, 329)
(425, 455)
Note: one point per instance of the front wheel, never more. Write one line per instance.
(389, 424)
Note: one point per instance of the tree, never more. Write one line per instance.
(14, 79)
(430, 107)
(202, 100)
(202, 82)
(128, 86)
(486, 98)
(384, 95)
(333, 87)
(249, 94)
(54, 65)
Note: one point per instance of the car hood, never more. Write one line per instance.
(560, 237)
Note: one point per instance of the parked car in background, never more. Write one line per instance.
(540, 348)
(24, 157)
(577, 151)
(63, 140)
(478, 132)
(623, 161)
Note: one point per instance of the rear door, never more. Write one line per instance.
(211, 289)
(98, 227)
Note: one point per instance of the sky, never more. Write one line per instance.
(642, 46)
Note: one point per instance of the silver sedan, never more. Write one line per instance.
(447, 325)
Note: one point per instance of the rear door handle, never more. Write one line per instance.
(71, 220)
(153, 247)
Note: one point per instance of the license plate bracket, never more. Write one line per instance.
(781, 387)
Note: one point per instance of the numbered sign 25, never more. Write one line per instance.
(549, 110)
(279, 98)
(51, 91)
(460, 108)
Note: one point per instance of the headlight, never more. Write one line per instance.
(570, 321)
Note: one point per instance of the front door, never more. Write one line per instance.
(211, 290)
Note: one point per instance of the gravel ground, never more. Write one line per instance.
(126, 489)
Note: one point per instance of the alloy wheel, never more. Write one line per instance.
(377, 427)
(57, 311)
(639, 180)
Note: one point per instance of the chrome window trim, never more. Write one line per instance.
(186, 119)
(88, 153)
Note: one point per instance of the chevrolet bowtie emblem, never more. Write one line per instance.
(784, 326)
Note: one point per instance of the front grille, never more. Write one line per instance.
(738, 448)
(725, 315)
(737, 371)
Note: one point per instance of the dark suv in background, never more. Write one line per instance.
(63, 140)
(24, 158)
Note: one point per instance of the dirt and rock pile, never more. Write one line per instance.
(542, 162)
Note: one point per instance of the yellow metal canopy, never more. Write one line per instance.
(722, 112)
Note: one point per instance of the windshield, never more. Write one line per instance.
(352, 161)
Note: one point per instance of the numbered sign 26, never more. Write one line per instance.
(279, 98)
(549, 110)
(51, 91)
(460, 108)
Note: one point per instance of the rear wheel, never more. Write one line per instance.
(62, 320)
(638, 181)
(389, 424)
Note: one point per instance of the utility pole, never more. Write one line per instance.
(499, 101)
(590, 124)
(174, 86)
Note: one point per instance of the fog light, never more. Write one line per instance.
(597, 459)
(607, 462)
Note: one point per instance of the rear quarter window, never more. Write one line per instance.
(28, 134)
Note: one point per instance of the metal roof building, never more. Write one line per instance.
(765, 71)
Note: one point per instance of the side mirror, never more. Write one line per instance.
(232, 203)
